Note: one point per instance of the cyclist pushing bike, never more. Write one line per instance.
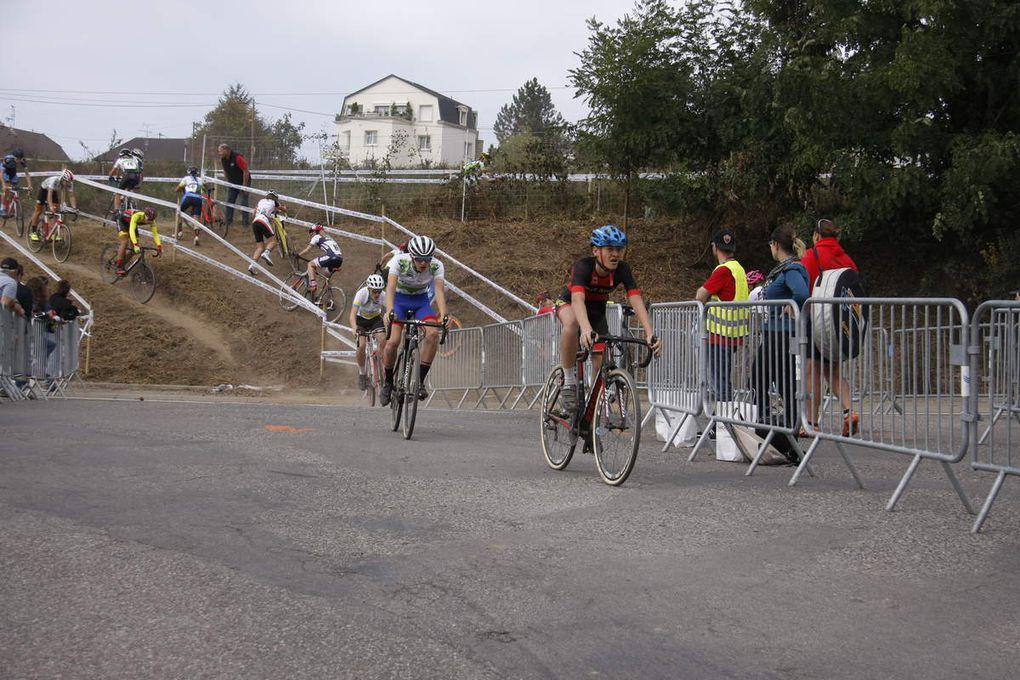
(189, 194)
(332, 257)
(581, 307)
(367, 317)
(264, 226)
(407, 290)
(128, 222)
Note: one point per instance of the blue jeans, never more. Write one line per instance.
(234, 196)
(720, 363)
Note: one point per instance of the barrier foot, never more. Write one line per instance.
(986, 508)
(701, 440)
(524, 390)
(761, 452)
(849, 465)
(463, 397)
(538, 395)
(955, 481)
(673, 432)
(804, 463)
(903, 483)
(648, 417)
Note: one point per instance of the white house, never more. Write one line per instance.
(435, 129)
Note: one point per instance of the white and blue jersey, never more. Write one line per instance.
(10, 166)
(331, 256)
(414, 287)
(191, 201)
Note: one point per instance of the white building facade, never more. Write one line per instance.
(421, 127)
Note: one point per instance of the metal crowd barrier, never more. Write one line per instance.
(995, 356)
(458, 365)
(38, 358)
(674, 380)
(502, 362)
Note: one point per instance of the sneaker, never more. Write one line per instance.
(362, 382)
(57, 237)
(121, 272)
(265, 256)
(850, 424)
(179, 235)
(423, 394)
(252, 271)
(803, 433)
(384, 395)
(196, 241)
(34, 236)
(568, 399)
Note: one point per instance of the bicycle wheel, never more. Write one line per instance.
(36, 245)
(61, 236)
(296, 283)
(616, 428)
(143, 282)
(19, 219)
(412, 382)
(376, 377)
(218, 224)
(108, 263)
(371, 374)
(397, 394)
(558, 442)
(333, 301)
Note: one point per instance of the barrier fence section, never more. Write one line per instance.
(38, 357)
(995, 368)
(675, 379)
(458, 365)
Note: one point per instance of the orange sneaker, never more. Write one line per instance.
(850, 424)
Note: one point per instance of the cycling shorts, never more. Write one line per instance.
(261, 228)
(596, 317)
(40, 199)
(329, 261)
(368, 325)
(129, 181)
(11, 178)
(418, 305)
(192, 204)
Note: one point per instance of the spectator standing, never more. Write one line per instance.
(235, 169)
(827, 253)
(774, 364)
(726, 327)
(25, 297)
(9, 286)
(61, 305)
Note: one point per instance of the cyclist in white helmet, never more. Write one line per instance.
(367, 316)
(332, 257)
(407, 290)
(51, 191)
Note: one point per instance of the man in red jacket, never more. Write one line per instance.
(826, 253)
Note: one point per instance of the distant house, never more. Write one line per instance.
(155, 148)
(36, 145)
(438, 130)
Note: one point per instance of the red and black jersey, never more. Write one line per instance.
(584, 278)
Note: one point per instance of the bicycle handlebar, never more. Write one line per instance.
(421, 324)
(621, 340)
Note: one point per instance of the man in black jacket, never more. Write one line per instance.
(235, 168)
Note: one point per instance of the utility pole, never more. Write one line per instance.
(251, 152)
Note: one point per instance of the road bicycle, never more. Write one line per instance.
(329, 298)
(373, 356)
(212, 213)
(407, 371)
(55, 232)
(607, 419)
(12, 211)
(138, 276)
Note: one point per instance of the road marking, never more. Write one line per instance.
(288, 428)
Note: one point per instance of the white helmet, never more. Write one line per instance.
(421, 246)
(375, 282)
(67, 177)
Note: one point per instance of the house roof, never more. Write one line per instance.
(155, 148)
(449, 109)
(36, 145)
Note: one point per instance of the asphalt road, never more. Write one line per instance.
(144, 539)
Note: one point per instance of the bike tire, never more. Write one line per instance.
(332, 302)
(377, 378)
(371, 381)
(558, 441)
(412, 382)
(61, 240)
(19, 220)
(616, 428)
(298, 284)
(35, 246)
(108, 263)
(219, 226)
(397, 394)
(143, 282)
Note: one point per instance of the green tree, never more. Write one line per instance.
(531, 112)
(236, 121)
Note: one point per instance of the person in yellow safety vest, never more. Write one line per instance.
(726, 327)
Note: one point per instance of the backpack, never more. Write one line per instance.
(838, 329)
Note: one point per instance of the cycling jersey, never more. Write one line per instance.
(410, 281)
(328, 245)
(128, 223)
(128, 164)
(266, 207)
(596, 288)
(10, 163)
(53, 183)
(10, 168)
(191, 185)
(365, 307)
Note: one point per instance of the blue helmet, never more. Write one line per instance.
(608, 236)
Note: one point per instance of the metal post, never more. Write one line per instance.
(322, 348)
(463, 196)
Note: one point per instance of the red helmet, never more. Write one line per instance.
(316, 228)
(150, 214)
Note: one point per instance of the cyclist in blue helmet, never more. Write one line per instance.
(581, 307)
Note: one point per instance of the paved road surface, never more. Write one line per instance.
(143, 539)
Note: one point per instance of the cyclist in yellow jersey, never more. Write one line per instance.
(127, 231)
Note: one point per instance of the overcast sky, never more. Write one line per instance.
(76, 70)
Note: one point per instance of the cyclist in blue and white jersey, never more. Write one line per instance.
(407, 290)
(332, 257)
(367, 316)
(50, 195)
(263, 226)
(191, 201)
(126, 174)
(10, 175)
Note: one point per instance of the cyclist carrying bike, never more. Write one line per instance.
(10, 175)
(332, 257)
(189, 192)
(126, 174)
(407, 290)
(263, 226)
(581, 307)
(127, 230)
(367, 316)
(50, 195)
